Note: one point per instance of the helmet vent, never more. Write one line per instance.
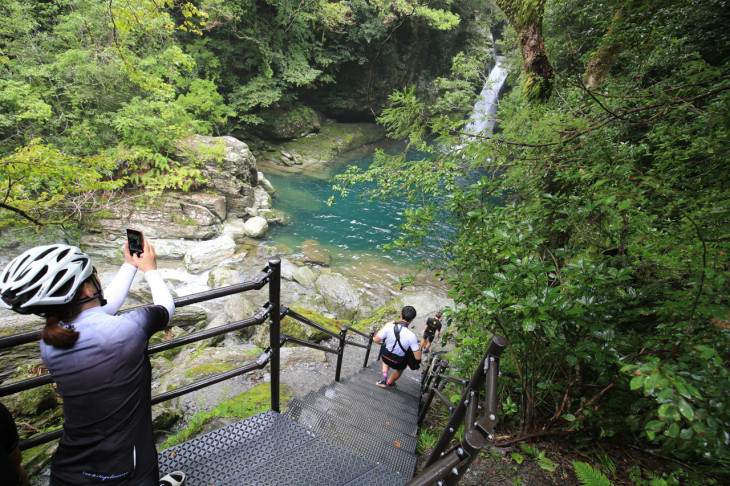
(62, 255)
(37, 276)
(65, 288)
(44, 253)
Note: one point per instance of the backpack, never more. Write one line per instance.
(411, 360)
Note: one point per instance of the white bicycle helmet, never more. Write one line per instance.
(43, 276)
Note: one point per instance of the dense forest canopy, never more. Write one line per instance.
(109, 88)
(594, 226)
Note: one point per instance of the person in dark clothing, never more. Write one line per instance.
(97, 359)
(431, 330)
(11, 467)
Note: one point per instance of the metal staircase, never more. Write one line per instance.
(347, 433)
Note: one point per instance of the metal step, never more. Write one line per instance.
(378, 476)
(383, 427)
(369, 376)
(404, 423)
(370, 396)
(223, 454)
(400, 395)
(408, 377)
(362, 443)
(321, 462)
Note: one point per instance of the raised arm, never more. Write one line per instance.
(147, 262)
(117, 290)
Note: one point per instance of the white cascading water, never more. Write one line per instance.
(482, 118)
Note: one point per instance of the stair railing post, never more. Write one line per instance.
(495, 349)
(275, 330)
(437, 368)
(370, 345)
(341, 351)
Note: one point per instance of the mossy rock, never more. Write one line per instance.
(38, 458)
(386, 313)
(297, 121)
(244, 405)
(34, 401)
(166, 335)
(294, 328)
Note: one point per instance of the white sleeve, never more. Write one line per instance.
(117, 290)
(160, 293)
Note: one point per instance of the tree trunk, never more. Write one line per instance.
(605, 56)
(525, 16)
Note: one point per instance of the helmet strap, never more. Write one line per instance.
(98, 295)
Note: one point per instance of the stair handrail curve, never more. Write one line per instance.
(447, 466)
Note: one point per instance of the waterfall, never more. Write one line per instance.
(482, 118)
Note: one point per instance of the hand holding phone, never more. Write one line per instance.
(136, 242)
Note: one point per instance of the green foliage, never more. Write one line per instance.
(590, 476)
(42, 185)
(426, 440)
(593, 231)
(245, 405)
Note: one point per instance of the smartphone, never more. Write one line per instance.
(136, 241)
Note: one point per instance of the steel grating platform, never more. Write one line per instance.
(356, 440)
(350, 433)
(403, 425)
(369, 395)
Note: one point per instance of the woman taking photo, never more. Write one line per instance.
(97, 359)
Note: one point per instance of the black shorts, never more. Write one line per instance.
(429, 337)
(394, 361)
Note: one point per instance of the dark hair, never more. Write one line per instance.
(408, 313)
(55, 335)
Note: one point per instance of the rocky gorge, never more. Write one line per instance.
(212, 237)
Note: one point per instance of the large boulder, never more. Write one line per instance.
(174, 215)
(340, 297)
(198, 366)
(313, 252)
(18, 357)
(209, 253)
(238, 308)
(305, 276)
(230, 168)
(256, 227)
(293, 122)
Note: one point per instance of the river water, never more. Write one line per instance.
(351, 228)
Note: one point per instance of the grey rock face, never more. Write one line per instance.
(341, 297)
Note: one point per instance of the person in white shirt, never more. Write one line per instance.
(397, 339)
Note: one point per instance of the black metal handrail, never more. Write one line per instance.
(271, 275)
(342, 336)
(447, 467)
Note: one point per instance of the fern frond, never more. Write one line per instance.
(590, 476)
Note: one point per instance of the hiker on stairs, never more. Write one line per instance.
(397, 339)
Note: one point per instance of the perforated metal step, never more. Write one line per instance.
(383, 427)
(378, 476)
(320, 462)
(399, 395)
(352, 438)
(406, 386)
(371, 396)
(405, 424)
(220, 456)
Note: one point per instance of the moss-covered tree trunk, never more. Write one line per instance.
(605, 56)
(526, 16)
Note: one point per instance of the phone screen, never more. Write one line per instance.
(135, 239)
